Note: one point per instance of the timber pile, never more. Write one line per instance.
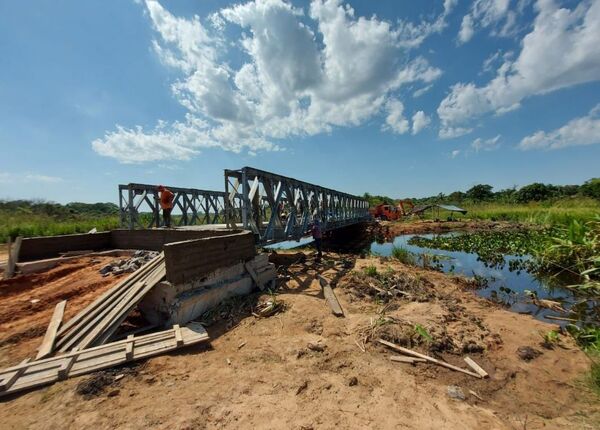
(28, 375)
(95, 324)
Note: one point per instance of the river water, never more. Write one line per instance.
(503, 284)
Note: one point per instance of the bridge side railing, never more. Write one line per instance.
(139, 206)
(278, 208)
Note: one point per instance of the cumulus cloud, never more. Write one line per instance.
(493, 14)
(419, 121)
(562, 50)
(455, 153)
(453, 132)
(480, 144)
(303, 73)
(577, 132)
(395, 120)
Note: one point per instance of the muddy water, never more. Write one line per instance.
(501, 282)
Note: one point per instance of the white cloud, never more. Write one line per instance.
(11, 178)
(420, 121)
(395, 120)
(488, 14)
(455, 153)
(562, 50)
(466, 29)
(452, 132)
(421, 91)
(577, 132)
(480, 144)
(301, 75)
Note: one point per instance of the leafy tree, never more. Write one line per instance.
(536, 192)
(480, 192)
(591, 188)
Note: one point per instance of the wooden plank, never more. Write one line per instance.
(404, 359)
(124, 284)
(10, 378)
(476, 367)
(47, 371)
(65, 367)
(152, 280)
(426, 357)
(88, 333)
(329, 295)
(47, 345)
(178, 336)
(129, 348)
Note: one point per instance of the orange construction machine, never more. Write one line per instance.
(391, 212)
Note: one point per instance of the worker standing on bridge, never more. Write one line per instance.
(317, 234)
(166, 203)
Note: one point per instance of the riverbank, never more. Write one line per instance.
(305, 368)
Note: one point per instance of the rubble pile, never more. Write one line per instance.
(128, 265)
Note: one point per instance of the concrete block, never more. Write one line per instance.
(169, 303)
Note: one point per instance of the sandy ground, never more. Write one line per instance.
(260, 373)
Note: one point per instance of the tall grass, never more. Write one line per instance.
(403, 255)
(546, 213)
(29, 225)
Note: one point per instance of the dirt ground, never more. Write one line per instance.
(304, 368)
(27, 302)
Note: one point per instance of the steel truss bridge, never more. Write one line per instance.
(276, 208)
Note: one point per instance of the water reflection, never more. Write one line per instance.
(506, 279)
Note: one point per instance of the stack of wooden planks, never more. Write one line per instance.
(95, 324)
(47, 371)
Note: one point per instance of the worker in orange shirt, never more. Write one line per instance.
(166, 203)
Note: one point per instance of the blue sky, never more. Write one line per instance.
(400, 98)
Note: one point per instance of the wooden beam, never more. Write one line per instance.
(476, 367)
(404, 359)
(47, 345)
(50, 370)
(178, 336)
(329, 295)
(129, 348)
(10, 378)
(426, 357)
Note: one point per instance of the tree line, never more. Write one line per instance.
(57, 210)
(479, 193)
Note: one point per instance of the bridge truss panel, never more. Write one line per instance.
(139, 206)
(278, 208)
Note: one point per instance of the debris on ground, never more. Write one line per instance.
(455, 392)
(268, 308)
(528, 353)
(128, 265)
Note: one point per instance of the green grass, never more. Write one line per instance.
(403, 255)
(29, 225)
(546, 213)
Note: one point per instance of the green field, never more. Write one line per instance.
(28, 219)
(547, 213)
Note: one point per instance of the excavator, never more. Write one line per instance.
(390, 212)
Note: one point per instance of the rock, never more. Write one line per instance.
(455, 392)
(114, 393)
(353, 381)
(527, 353)
(106, 269)
(317, 347)
(302, 387)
